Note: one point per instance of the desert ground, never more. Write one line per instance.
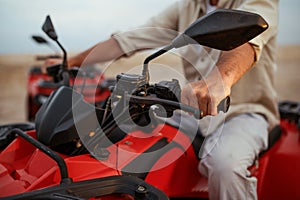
(14, 71)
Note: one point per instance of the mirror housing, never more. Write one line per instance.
(222, 29)
(48, 28)
(39, 39)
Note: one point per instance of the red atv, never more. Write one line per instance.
(137, 146)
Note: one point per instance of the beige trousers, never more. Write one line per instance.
(227, 154)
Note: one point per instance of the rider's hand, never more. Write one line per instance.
(205, 95)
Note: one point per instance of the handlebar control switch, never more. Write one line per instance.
(130, 83)
(168, 90)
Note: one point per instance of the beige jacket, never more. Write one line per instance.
(255, 91)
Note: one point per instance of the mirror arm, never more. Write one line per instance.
(145, 71)
(65, 73)
(179, 41)
(65, 61)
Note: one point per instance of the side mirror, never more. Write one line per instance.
(39, 39)
(222, 29)
(48, 28)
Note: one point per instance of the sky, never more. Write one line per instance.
(82, 23)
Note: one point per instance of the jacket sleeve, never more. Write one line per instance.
(156, 32)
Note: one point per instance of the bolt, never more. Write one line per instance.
(141, 188)
(140, 192)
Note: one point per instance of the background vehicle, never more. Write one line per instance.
(81, 151)
(41, 84)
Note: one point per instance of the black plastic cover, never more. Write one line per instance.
(55, 122)
(168, 90)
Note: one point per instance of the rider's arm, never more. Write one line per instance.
(101, 52)
(234, 64)
(207, 93)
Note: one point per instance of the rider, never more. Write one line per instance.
(246, 74)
